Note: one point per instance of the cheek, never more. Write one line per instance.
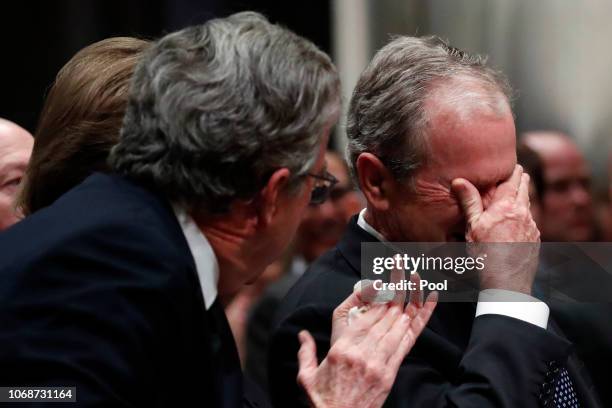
(447, 214)
(555, 203)
(6, 202)
(7, 215)
(297, 212)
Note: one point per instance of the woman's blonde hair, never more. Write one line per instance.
(80, 120)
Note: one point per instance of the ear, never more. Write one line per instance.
(375, 180)
(271, 195)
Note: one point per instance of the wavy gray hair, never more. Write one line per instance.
(386, 114)
(216, 108)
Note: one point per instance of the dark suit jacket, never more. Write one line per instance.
(578, 290)
(100, 291)
(459, 360)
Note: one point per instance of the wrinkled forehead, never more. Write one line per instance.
(476, 144)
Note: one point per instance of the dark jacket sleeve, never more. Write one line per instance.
(89, 312)
(506, 364)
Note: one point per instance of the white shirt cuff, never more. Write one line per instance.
(513, 304)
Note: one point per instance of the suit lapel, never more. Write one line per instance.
(350, 244)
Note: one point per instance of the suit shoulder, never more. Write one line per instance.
(325, 284)
(102, 218)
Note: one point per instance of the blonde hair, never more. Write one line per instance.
(80, 120)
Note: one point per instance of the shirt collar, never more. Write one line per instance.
(368, 228)
(204, 257)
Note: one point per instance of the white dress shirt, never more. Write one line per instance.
(204, 257)
(493, 301)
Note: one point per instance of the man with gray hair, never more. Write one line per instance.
(116, 290)
(432, 144)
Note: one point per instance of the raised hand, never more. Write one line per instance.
(362, 363)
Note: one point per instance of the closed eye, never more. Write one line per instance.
(12, 184)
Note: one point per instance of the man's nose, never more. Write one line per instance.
(580, 195)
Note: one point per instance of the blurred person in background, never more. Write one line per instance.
(321, 228)
(115, 288)
(15, 149)
(566, 204)
(323, 225)
(80, 120)
(586, 324)
(532, 165)
(605, 210)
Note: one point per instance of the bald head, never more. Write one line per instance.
(15, 149)
(550, 144)
(11, 129)
(567, 213)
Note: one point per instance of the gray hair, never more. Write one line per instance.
(216, 108)
(387, 115)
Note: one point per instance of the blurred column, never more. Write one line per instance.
(351, 52)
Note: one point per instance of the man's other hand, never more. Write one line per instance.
(362, 363)
(504, 231)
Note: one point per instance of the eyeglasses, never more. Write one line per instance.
(324, 183)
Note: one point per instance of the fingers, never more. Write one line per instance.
(416, 295)
(510, 186)
(469, 199)
(363, 289)
(387, 345)
(363, 322)
(417, 324)
(381, 329)
(422, 315)
(523, 192)
(405, 330)
(307, 358)
(396, 276)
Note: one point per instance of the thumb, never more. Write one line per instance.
(307, 358)
(469, 199)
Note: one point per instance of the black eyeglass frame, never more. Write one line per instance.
(321, 192)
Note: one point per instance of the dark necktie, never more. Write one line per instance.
(225, 358)
(558, 390)
(564, 395)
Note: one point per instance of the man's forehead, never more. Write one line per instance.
(14, 138)
(481, 148)
(15, 146)
(450, 139)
